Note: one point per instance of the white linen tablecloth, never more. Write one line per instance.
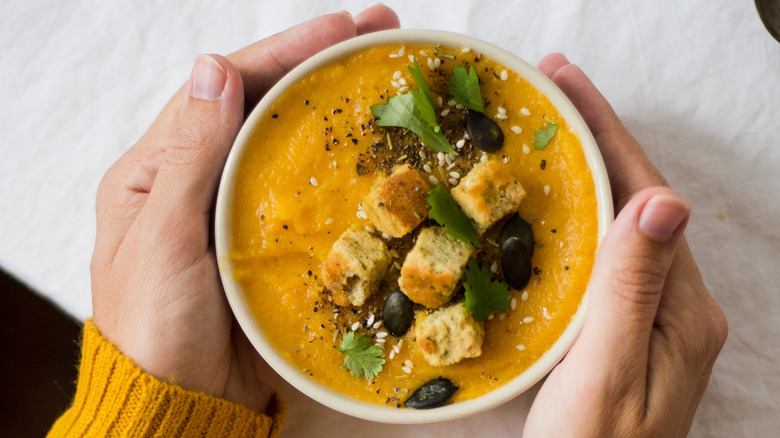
(697, 82)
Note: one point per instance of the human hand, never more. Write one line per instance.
(156, 291)
(652, 332)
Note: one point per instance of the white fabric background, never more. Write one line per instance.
(697, 82)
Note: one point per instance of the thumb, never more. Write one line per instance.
(628, 278)
(197, 147)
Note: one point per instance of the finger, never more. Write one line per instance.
(629, 275)
(376, 18)
(197, 146)
(628, 167)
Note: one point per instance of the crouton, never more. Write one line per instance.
(354, 267)
(396, 204)
(488, 193)
(433, 267)
(449, 335)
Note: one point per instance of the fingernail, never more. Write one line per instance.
(662, 216)
(208, 78)
(346, 13)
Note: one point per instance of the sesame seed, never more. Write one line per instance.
(385, 236)
(362, 215)
(517, 130)
(459, 106)
(396, 75)
(546, 190)
(440, 101)
(433, 180)
(427, 168)
(524, 111)
(494, 267)
(313, 181)
(445, 112)
(500, 116)
(380, 342)
(453, 181)
(335, 164)
(381, 335)
(521, 347)
(545, 313)
(421, 153)
(455, 175)
(411, 58)
(513, 303)
(408, 363)
(465, 50)
(395, 348)
(502, 110)
(504, 75)
(328, 221)
(423, 53)
(395, 84)
(431, 66)
(467, 136)
(355, 326)
(400, 343)
(370, 229)
(402, 81)
(440, 156)
(397, 266)
(403, 89)
(394, 253)
(393, 55)
(451, 102)
(402, 52)
(451, 166)
(437, 62)
(370, 319)
(490, 318)
(526, 149)
(460, 143)
(506, 160)
(483, 158)
(448, 158)
(407, 370)
(377, 325)
(392, 354)
(524, 297)
(528, 319)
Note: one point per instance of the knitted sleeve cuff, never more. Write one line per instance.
(115, 398)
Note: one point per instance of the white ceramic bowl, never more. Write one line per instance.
(235, 294)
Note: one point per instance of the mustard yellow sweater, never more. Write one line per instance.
(115, 398)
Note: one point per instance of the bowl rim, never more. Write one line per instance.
(237, 299)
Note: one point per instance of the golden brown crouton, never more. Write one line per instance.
(449, 335)
(396, 204)
(433, 267)
(354, 267)
(488, 193)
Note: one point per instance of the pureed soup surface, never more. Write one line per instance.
(315, 157)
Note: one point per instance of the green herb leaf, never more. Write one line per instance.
(484, 296)
(360, 355)
(465, 89)
(419, 79)
(543, 136)
(402, 111)
(446, 212)
(415, 112)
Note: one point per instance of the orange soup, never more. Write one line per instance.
(315, 157)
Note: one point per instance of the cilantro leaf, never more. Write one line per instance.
(483, 296)
(446, 212)
(543, 136)
(422, 87)
(360, 355)
(465, 88)
(402, 111)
